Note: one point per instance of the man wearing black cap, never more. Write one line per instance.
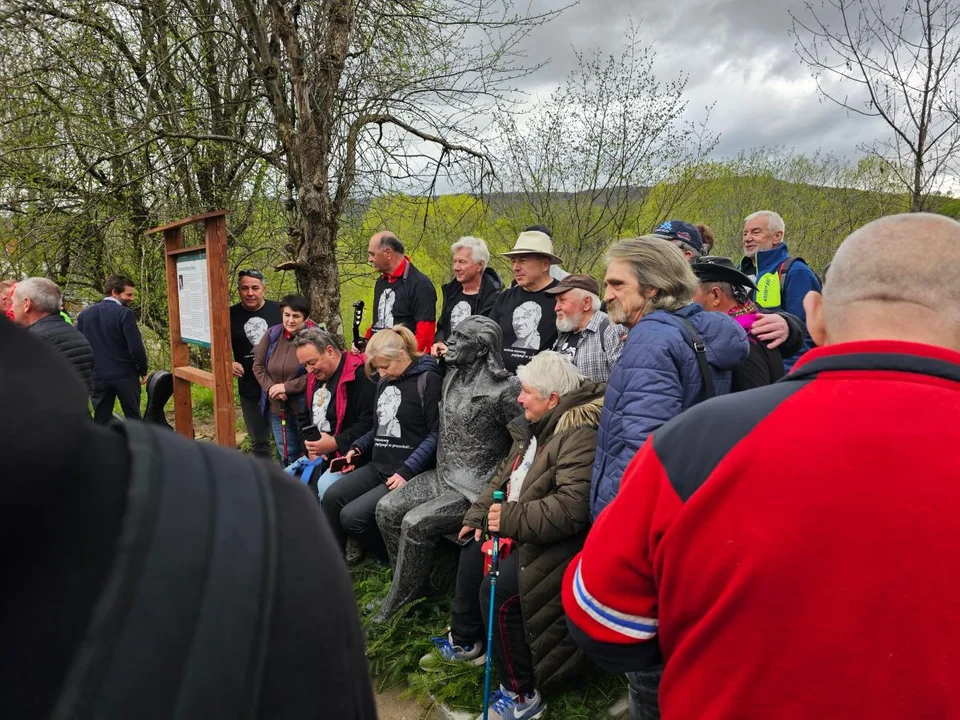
(587, 336)
(725, 289)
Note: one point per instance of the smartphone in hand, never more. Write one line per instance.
(337, 464)
(310, 433)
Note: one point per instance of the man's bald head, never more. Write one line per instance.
(891, 279)
(385, 251)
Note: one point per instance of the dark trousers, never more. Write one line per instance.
(351, 508)
(644, 687)
(258, 427)
(127, 390)
(471, 607)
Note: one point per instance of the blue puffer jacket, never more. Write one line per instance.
(655, 379)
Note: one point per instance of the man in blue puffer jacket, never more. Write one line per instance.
(657, 376)
(649, 289)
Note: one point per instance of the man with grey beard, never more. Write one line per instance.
(587, 336)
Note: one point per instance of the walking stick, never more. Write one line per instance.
(498, 497)
(283, 431)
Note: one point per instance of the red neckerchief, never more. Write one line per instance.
(397, 274)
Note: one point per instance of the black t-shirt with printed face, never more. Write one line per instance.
(246, 329)
(528, 322)
(323, 404)
(402, 420)
(407, 300)
(568, 343)
(461, 306)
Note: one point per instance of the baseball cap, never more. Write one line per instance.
(679, 230)
(581, 282)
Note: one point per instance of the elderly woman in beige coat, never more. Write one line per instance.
(542, 525)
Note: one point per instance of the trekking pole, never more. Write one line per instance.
(498, 497)
(283, 431)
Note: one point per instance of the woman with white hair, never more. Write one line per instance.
(542, 525)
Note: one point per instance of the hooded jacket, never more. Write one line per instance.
(490, 286)
(426, 422)
(549, 521)
(656, 378)
(798, 281)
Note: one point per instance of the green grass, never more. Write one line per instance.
(395, 648)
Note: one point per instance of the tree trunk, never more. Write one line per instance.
(317, 271)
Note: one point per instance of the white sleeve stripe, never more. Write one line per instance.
(633, 626)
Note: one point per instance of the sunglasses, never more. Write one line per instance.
(249, 273)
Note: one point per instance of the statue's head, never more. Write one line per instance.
(476, 339)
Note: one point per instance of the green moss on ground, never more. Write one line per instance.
(395, 648)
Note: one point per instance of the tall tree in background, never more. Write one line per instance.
(902, 63)
(131, 113)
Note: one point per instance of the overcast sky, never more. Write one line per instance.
(738, 54)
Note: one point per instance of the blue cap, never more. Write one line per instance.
(679, 230)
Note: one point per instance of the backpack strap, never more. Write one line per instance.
(696, 342)
(602, 331)
(180, 628)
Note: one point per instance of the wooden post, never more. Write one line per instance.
(221, 355)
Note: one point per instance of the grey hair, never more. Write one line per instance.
(477, 247)
(45, 295)
(317, 337)
(659, 265)
(550, 372)
(774, 221)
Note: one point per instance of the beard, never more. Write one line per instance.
(568, 323)
(616, 313)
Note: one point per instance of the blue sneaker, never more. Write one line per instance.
(505, 705)
(446, 651)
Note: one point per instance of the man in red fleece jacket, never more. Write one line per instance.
(800, 563)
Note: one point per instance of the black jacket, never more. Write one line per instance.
(490, 287)
(763, 366)
(69, 342)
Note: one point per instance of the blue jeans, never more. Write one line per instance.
(325, 481)
(294, 444)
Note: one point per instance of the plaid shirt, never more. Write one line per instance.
(594, 349)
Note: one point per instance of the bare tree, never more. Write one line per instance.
(583, 161)
(902, 63)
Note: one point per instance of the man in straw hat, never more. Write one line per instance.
(525, 312)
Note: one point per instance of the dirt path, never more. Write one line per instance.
(391, 707)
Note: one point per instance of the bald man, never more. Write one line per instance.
(402, 295)
(802, 563)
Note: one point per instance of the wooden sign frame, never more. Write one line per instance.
(221, 351)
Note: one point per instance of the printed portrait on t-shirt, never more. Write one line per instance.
(388, 405)
(526, 318)
(385, 309)
(568, 346)
(321, 401)
(460, 312)
(254, 329)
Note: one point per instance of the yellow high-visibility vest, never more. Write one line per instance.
(768, 290)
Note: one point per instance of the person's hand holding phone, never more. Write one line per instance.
(463, 537)
(347, 462)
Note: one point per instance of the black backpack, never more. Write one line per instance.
(180, 628)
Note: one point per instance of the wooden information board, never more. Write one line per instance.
(195, 324)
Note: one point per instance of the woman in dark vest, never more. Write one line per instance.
(402, 443)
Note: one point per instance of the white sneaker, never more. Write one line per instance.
(505, 705)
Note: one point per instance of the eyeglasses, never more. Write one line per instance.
(249, 273)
